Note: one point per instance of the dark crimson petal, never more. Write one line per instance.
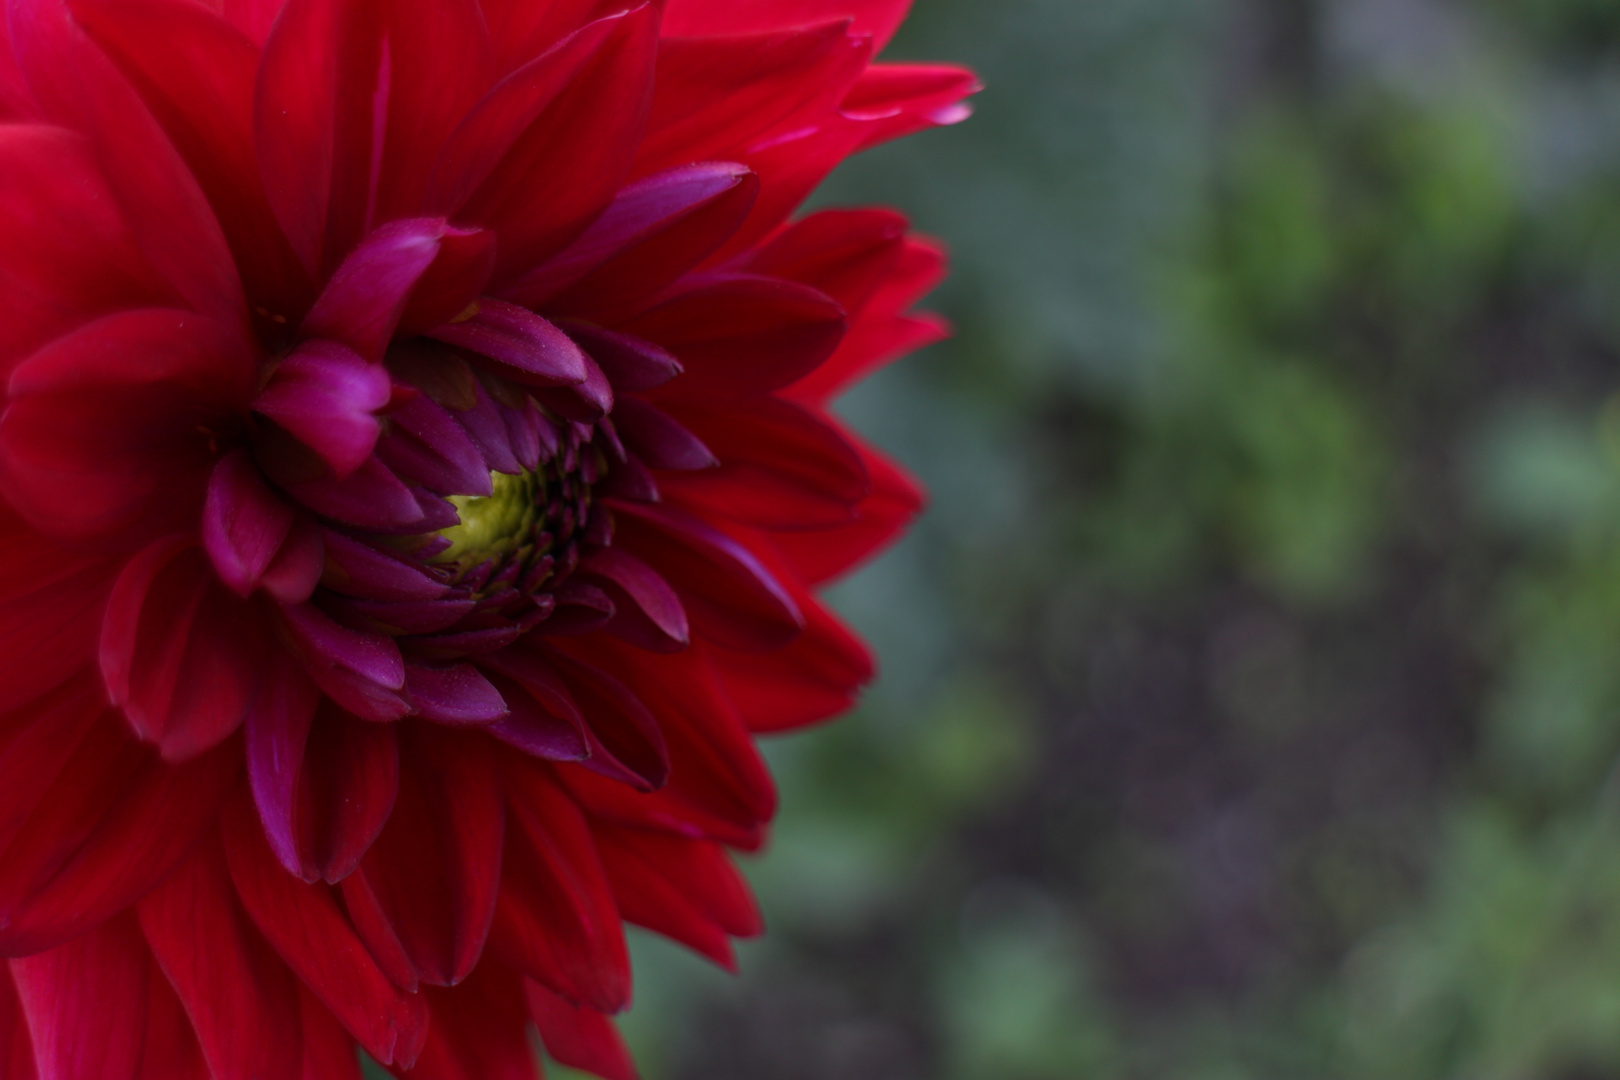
(348, 780)
(425, 445)
(565, 166)
(50, 618)
(375, 929)
(293, 121)
(434, 870)
(328, 1050)
(479, 1031)
(521, 31)
(626, 743)
(630, 363)
(585, 403)
(177, 650)
(484, 422)
(161, 201)
(366, 93)
(632, 480)
(439, 60)
(897, 100)
(781, 466)
(717, 95)
(114, 823)
(371, 497)
(883, 331)
(365, 298)
(791, 162)
(241, 1000)
(243, 523)
(556, 920)
(111, 423)
(398, 618)
(646, 610)
(719, 788)
(278, 722)
(68, 256)
(824, 554)
(580, 1038)
(170, 1050)
(684, 889)
(196, 73)
(660, 441)
(307, 929)
(847, 254)
(16, 1047)
(328, 396)
(497, 123)
(731, 598)
(716, 772)
(818, 676)
(296, 570)
(653, 232)
(252, 17)
(358, 569)
(456, 279)
(16, 100)
(36, 743)
(362, 672)
(738, 334)
(879, 18)
(535, 729)
(86, 1003)
(541, 354)
(454, 695)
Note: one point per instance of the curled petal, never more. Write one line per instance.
(536, 351)
(176, 650)
(310, 933)
(328, 396)
(367, 295)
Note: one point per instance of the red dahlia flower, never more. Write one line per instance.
(415, 474)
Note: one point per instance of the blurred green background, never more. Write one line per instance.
(1251, 695)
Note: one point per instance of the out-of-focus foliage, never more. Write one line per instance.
(1252, 694)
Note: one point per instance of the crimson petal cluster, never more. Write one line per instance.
(415, 476)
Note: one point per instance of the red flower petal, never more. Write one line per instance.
(728, 594)
(780, 467)
(880, 18)
(177, 650)
(49, 618)
(684, 889)
(86, 1003)
(240, 998)
(654, 231)
(114, 823)
(195, 72)
(243, 524)
(160, 198)
(434, 870)
(591, 126)
(111, 424)
(579, 1037)
(366, 296)
(825, 554)
(68, 256)
(556, 920)
(739, 334)
(306, 927)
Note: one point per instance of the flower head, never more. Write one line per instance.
(415, 477)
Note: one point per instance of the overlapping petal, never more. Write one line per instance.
(416, 476)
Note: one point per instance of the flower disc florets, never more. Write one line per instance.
(414, 427)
